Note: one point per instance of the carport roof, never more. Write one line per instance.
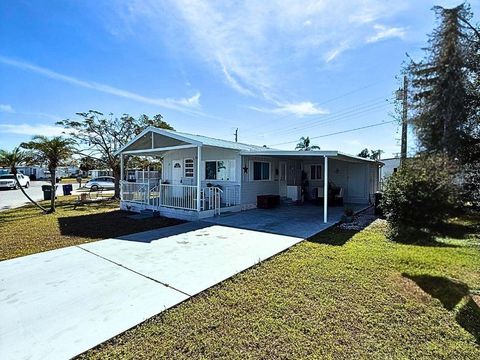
(303, 154)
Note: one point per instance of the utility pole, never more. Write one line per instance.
(403, 147)
(236, 135)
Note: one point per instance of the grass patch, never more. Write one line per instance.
(25, 230)
(340, 295)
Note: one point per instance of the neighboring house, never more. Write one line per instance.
(34, 172)
(389, 167)
(203, 176)
(98, 173)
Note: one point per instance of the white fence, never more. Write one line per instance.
(180, 196)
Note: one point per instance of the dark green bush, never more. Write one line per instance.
(419, 197)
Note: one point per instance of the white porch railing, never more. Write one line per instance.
(134, 192)
(211, 199)
(180, 196)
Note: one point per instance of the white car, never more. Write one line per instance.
(7, 181)
(103, 182)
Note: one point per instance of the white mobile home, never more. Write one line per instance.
(203, 176)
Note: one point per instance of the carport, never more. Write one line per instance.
(312, 174)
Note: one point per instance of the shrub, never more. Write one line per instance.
(419, 197)
(470, 180)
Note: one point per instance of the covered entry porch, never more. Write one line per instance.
(183, 188)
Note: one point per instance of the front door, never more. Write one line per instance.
(177, 174)
(282, 179)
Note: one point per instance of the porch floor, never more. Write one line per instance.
(301, 221)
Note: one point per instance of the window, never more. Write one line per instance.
(188, 168)
(220, 170)
(261, 170)
(315, 172)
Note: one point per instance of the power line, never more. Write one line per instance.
(328, 101)
(355, 110)
(340, 132)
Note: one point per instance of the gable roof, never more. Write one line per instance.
(209, 141)
(195, 140)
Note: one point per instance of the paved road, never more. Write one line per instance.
(57, 304)
(10, 199)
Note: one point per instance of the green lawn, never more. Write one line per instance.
(341, 295)
(26, 230)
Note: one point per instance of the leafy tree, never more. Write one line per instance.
(365, 153)
(304, 145)
(88, 163)
(445, 93)
(374, 154)
(54, 152)
(419, 197)
(12, 159)
(102, 136)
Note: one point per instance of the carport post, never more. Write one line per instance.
(325, 191)
(199, 161)
(121, 176)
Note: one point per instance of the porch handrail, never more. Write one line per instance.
(212, 195)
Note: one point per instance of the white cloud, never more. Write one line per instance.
(31, 130)
(335, 52)
(257, 45)
(6, 108)
(297, 109)
(184, 104)
(383, 32)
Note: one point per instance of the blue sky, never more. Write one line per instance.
(277, 70)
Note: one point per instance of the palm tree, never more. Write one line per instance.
(304, 145)
(53, 152)
(12, 159)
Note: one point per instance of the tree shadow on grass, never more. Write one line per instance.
(449, 292)
(454, 296)
(333, 236)
(109, 224)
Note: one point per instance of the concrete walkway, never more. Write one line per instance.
(60, 303)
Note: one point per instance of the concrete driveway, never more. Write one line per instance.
(60, 303)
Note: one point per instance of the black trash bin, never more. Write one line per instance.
(378, 208)
(47, 191)
(67, 189)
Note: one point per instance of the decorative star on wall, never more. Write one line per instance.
(245, 169)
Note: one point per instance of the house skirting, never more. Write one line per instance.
(182, 214)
